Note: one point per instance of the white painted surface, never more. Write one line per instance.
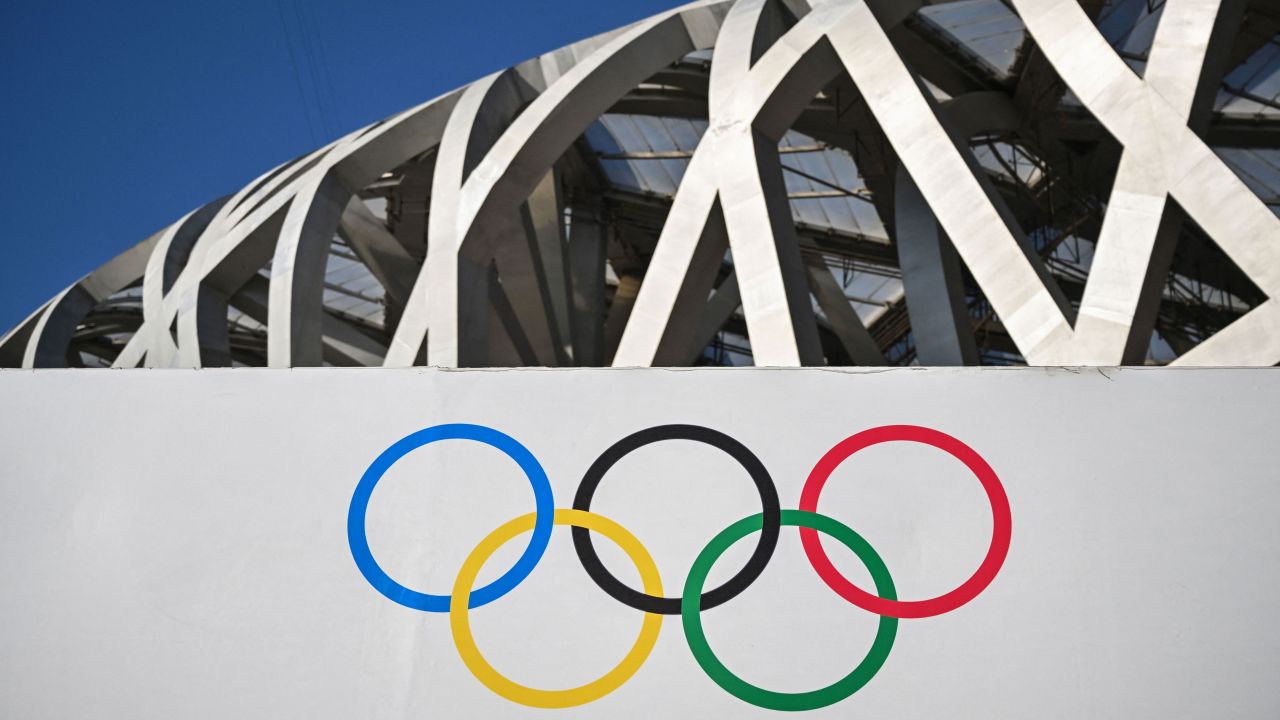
(173, 543)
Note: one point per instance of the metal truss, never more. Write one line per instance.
(777, 182)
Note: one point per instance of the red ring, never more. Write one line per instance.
(1001, 531)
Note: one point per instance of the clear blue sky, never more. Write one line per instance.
(119, 117)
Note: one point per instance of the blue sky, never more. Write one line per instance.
(119, 117)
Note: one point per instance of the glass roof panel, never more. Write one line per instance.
(840, 214)
(625, 134)
(654, 132)
(653, 177)
(1130, 26)
(1253, 88)
(986, 28)
(686, 133)
(796, 183)
(651, 154)
(1259, 168)
(621, 174)
(601, 139)
(675, 168)
(843, 169)
(350, 287)
(870, 294)
(809, 212)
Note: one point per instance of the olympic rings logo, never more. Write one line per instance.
(693, 599)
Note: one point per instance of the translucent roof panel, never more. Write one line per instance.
(1130, 27)
(1259, 168)
(1253, 88)
(643, 152)
(825, 188)
(987, 29)
(650, 154)
(870, 289)
(349, 287)
(236, 318)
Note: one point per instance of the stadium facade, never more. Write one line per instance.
(769, 182)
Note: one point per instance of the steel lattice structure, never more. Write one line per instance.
(832, 182)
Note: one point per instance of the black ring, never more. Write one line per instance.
(772, 518)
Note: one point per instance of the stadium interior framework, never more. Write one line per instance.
(768, 182)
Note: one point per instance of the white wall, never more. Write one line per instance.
(174, 543)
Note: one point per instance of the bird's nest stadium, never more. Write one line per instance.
(768, 182)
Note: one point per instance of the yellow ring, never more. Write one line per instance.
(460, 623)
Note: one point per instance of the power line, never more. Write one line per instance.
(297, 75)
(305, 39)
(335, 111)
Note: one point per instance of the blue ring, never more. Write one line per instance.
(394, 591)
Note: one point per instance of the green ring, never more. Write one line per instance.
(690, 614)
